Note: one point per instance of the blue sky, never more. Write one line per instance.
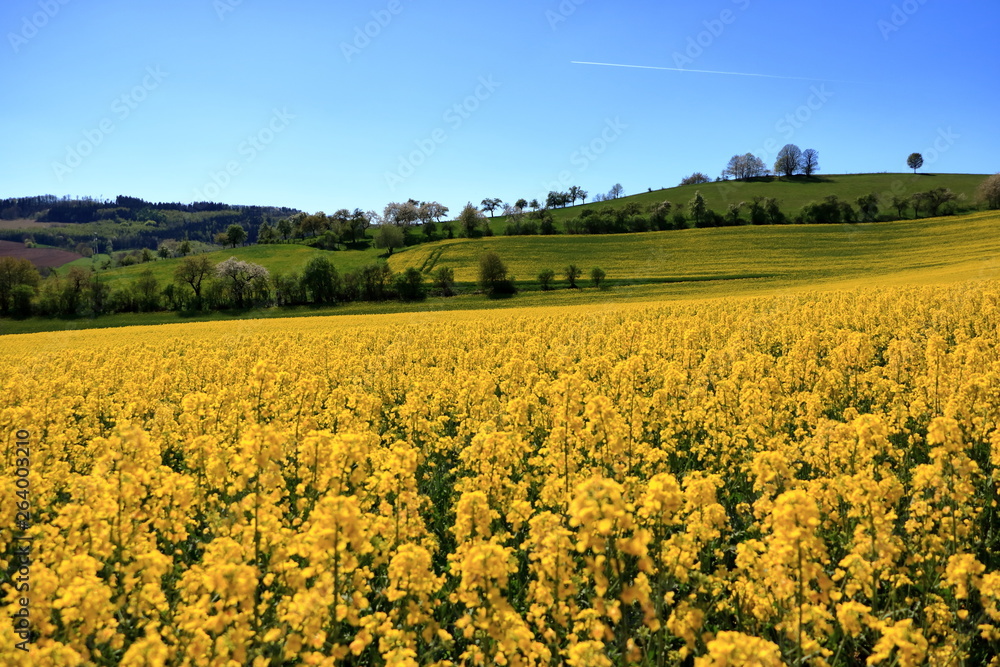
(293, 104)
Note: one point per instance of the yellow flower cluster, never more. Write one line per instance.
(807, 480)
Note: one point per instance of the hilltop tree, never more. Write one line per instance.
(810, 161)
(574, 193)
(192, 271)
(697, 178)
(557, 199)
(746, 166)
(616, 191)
(915, 161)
(400, 214)
(521, 203)
(534, 204)
(989, 192)
(789, 160)
(389, 237)
(491, 205)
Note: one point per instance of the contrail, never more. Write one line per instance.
(708, 71)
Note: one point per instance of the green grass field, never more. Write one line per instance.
(689, 264)
(783, 255)
(282, 258)
(792, 194)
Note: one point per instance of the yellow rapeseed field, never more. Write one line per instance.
(799, 480)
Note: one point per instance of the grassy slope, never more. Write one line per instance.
(281, 258)
(773, 255)
(793, 194)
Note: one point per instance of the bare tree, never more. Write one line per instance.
(742, 167)
(810, 161)
(616, 191)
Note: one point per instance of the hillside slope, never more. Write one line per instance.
(792, 193)
(772, 255)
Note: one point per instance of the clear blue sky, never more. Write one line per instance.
(159, 99)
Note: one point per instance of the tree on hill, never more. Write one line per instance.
(400, 214)
(521, 203)
(698, 209)
(557, 199)
(938, 198)
(915, 161)
(491, 205)
(746, 166)
(267, 235)
(868, 205)
(469, 220)
(389, 237)
(810, 161)
(285, 228)
(574, 193)
(789, 160)
(989, 192)
(616, 191)
(697, 178)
